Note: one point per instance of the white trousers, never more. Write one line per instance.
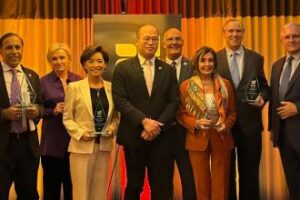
(89, 174)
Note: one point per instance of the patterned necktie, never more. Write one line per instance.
(16, 125)
(234, 70)
(285, 78)
(148, 76)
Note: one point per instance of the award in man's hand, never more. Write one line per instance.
(28, 95)
(252, 90)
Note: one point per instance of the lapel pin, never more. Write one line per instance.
(185, 63)
(159, 67)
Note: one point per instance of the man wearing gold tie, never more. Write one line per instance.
(145, 91)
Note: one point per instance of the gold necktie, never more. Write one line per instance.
(148, 75)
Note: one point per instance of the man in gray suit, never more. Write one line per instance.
(173, 43)
(145, 91)
(241, 67)
(284, 118)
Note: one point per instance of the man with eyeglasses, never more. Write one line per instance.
(284, 118)
(173, 44)
(145, 91)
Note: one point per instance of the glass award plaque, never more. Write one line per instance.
(28, 95)
(100, 120)
(212, 113)
(252, 90)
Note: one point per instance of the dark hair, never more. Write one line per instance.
(7, 35)
(198, 56)
(89, 51)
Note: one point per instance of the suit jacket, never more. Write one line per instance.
(5, 125)
(78, 117)
(134, 103)
(249, 117)
(198, 140)
(291, 125)
(186, 70)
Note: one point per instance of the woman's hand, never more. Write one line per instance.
(87, 138)
(202, 124)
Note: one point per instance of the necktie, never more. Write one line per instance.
(173, 64)
(16, 125)
(285, 78)
(148, 75)
(234, 70)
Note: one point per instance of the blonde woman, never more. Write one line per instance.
(54, 138)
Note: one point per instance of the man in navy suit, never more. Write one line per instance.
(284, 118)
(173, 44)
(19, 147)
(145, 91)
(242, 66)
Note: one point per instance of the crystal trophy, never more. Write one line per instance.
(28, 95)
(100, 120)
(212, 113)
(27, 100)
(252, 90)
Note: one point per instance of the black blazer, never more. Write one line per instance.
(5, 125)
(291, 125)
(248, 117)
(132, 100)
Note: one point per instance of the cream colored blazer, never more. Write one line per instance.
(78, 117)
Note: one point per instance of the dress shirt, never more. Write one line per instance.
(239, 57)
(54, 138)
(8, 78)
(295, 63)
(178, 65)
(142, 62)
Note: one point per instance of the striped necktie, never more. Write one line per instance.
(285, 78)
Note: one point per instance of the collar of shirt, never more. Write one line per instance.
(6, 68)
(229, 52)
(142, 60)
(178, 61)
(295, 63)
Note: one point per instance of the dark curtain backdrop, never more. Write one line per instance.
(41, 22)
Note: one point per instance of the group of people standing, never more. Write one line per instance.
(194, 112)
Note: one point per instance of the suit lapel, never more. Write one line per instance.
(107, 89)
(86, 95)
(4, 96)
(277, 74)
(294, 77)
(226, 70)
(184, 70)
(246, 68)
(138, 71)
(157, 76)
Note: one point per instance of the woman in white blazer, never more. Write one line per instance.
(91, 121)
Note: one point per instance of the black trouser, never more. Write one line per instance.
(56, 172)
(249, 149)
(156, 158)
(181, 156)
(20, 166)
(290, 158)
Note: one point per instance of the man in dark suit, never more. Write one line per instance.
(145, 91)
(19, 147)
(242, 66)
(173, 43)
(284, 118)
